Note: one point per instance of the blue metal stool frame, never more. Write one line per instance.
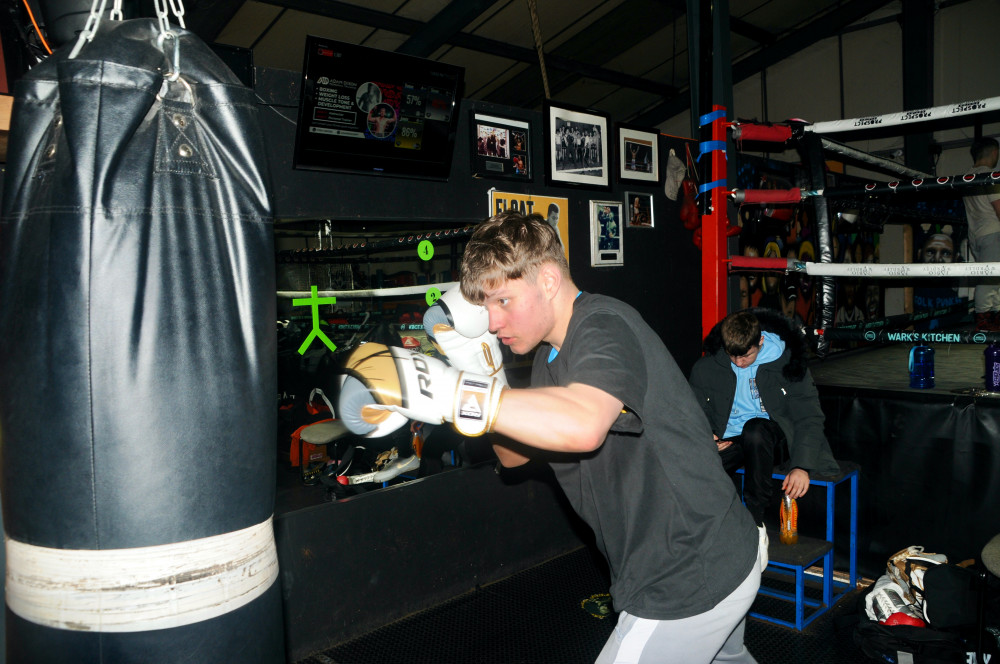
(832, 590)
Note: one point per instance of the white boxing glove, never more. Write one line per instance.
(470, 320)
(355, 397)
(400, 382)
(461, 330)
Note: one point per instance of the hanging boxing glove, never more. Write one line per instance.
(689, 209)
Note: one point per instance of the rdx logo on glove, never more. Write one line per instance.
(471, 392)
(473, 395)
(386, 385)
(424, 377)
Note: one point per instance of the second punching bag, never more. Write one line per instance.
(137, 362)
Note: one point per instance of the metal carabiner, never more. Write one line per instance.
(175, 59)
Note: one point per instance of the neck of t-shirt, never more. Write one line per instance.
(553, 352)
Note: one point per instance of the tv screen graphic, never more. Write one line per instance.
(370, 111)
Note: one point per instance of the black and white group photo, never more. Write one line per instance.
(579, 148)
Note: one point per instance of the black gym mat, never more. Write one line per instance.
(538, 617)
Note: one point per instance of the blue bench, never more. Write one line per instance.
(792, 561)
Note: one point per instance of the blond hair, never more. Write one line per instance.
(508, 245)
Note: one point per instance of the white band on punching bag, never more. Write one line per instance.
(143, 588)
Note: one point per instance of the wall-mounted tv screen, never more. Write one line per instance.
(371, 111)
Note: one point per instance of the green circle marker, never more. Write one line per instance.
(433, 295)
(425, 250)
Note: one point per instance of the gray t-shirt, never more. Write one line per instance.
(665, 514)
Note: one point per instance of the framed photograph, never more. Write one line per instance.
(638, 210)
(501, 147)
(638, 154)
(606, 237)
(577, 150)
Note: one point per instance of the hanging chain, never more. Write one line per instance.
(538, 47)
(162, 16)
(177, 7)
(90, 28)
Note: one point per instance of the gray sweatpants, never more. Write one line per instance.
(714, 636)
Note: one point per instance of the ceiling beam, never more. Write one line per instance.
(407, 26)
(737, 25)
(349, 13)
(827, 25)
(587, 49)
(208, 17)
(750, 31)
(444, 26)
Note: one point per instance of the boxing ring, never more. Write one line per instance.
(930, 458)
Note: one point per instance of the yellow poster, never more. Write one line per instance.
(555, 210)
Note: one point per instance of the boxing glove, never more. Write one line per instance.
(469, 320)
(461, 332)
(385, 382)
(355, 397)
(689, 214)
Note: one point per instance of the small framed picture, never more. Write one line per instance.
(577, 150)
(638, 154)
(606, 237)
(501, 147)
(638, 210)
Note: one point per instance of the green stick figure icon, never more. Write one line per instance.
(314, 302)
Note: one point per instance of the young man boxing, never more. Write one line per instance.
(613, 415)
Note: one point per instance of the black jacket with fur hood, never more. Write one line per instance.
(786, 389)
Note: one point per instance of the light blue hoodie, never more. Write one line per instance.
(746, 403)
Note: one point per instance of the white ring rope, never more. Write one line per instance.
(371, 292)
(896, 270)
(907, 117)
(144, 588)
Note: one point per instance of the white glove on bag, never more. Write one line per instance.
(461, 331)
(355, 397)
(405, 383)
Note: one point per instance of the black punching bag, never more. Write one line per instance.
(137, 359)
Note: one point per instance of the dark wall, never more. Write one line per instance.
(661, 272)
